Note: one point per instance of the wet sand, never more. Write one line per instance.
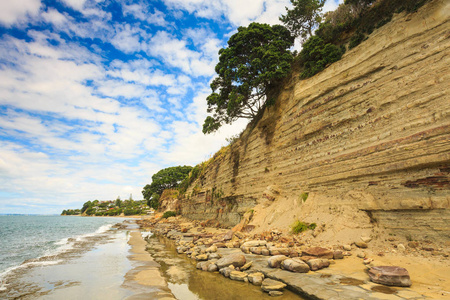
(145, 276)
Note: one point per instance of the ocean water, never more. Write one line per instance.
(42, 240)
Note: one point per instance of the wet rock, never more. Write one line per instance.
(275, 261)
(295, 265)
(202, 257)
(317, 264)
(269, 285)
(226, 271)
(361, 244)
(214, 256)
(237, 275)
(212, 268)
(276, 293)
(235, 259)
(256, 278)
(318, 252)
(390, 275)
(337, 254)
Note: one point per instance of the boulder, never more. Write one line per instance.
(317, 264)
(390, 275)
(295, 265)
(275, 261)
(269, 285)
(212, 268)
(318, 252)
(256, 278)
(265, 252)
(235, 259)
(279, 251)
(256, 250)
(237, 275)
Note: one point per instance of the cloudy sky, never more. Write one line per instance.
(97, 96)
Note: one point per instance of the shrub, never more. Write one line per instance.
(356, 40)
(169, 214)
(316, 55)
(304, 196)
(300, 226)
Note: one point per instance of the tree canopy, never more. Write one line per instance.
(167, 178)
(256, 57)
(303, 17)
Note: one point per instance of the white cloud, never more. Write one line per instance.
(16, 10)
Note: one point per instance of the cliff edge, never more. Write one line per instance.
(362, 148)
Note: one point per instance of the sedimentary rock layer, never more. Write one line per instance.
(371, 132)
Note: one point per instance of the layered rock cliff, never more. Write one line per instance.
(366, 142)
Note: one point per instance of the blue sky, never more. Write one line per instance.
(96, 96)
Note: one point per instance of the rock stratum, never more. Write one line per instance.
(366, 142)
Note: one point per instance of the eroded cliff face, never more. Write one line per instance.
(368, 138)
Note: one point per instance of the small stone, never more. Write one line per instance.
(275, 261)
(337, 254)
(269, 285)
(256, 278)
(295, 265)
(390, 275)
(318, 252)
(361, 244)
(246, 266)
(317, 264)
(214, 256)
(237, 275)
(366, 239)
(212, 268)
(361, 255)
(413, 244)
(401, 247)
(202, 257)
(347, 247)
(367, 261)
(276, 293)
(235, 259)
(211, 249)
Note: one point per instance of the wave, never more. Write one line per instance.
(64, 247)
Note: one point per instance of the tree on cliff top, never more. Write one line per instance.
(303, 17)
(256, 57)
(167, 178)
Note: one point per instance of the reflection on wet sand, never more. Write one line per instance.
(188, 283)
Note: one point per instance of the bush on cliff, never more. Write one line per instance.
(169, 214)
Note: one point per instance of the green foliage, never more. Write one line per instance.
(303, 17)
(356, 40)
(71, 212)
(153, 202)
(299, 226)
(169, 214)
(167, 178)
(256, 58)
(316, 55)
(90, 211)
(304, 196)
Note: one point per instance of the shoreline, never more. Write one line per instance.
(346, 277)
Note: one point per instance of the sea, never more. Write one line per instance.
(30, 243)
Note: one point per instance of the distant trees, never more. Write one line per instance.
(167, 178)
(256, 58)
(303, 17)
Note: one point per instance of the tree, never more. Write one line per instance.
(257, 57)
(167, 178)
(303, 17)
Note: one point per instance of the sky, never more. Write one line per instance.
(97, 96)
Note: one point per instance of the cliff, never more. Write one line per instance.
(366, 142)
